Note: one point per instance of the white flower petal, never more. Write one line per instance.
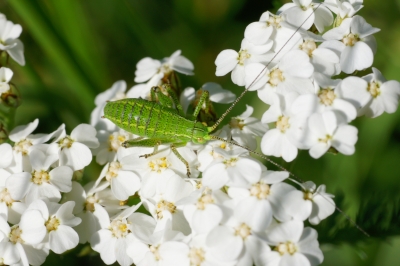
(21, 132)
(63, 239)
(226, 62)
(125, 185)
(61, 178)
(85, 134)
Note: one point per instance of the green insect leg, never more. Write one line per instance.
(164, 100)
(144, 143)
(203, 98)
(204, 110)
(174, 98)
(180, 157)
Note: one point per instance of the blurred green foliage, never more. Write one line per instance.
(77, 49)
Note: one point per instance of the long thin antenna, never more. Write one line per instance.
(212, 128)
(293, 175)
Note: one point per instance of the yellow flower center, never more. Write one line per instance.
(65, 142)
(243, 56)
(326, 140)
(308, 47)
(243, 231)
(350, 39)
(113, 170)
(6, 197)
(23, 146)
(40, 177)
(154, 250)
(163, 205)
(288, 247)
(260, 191)
(15, 235)
(197, 256)
(274, 21)
(52, 224)
(204, 200)
(230, 162)
(275, 77)
(374, 89)
(327, 96)
(89, 203)
(114, 141)
(158, 165)
(308, 195)
(119, 228)
(282, 123)
(236, 123)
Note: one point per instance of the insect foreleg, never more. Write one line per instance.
(174, 98)
(203, 98)
(177, 154)
(163, 99)
(204, 110)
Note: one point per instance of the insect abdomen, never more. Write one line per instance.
(148, 119)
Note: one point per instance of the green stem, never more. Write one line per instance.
(7, 116)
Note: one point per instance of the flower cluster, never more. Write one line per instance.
(295, 71)
(143, 208)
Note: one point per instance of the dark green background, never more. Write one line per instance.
(77, 49)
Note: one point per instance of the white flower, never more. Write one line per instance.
(165, 205)
(310, 203)
(124, 183)
(8, 205)
(203, 209)
(85, 199)
(260, 32)
(59, 219)
(9, 42)
(294, 245)
(354, 90)
(330, 129)
(74, 149)
(244, 128)
(327, 99)
(323, 59)
(214, 150)
(289, 132)
(41, 182)
(149, 68)
(304, 13)
(344, 9)
(235, 168)
(235, 239)
(200, 253)
(258, 203)
(384, 95)
(355, 41)
(110, 144)
(291, 74)
(164, 247)
(230, 60)
(23, 237)
(24, 142)
(112, 240)
(5, 77)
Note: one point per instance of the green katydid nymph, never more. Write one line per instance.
(159, 123)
